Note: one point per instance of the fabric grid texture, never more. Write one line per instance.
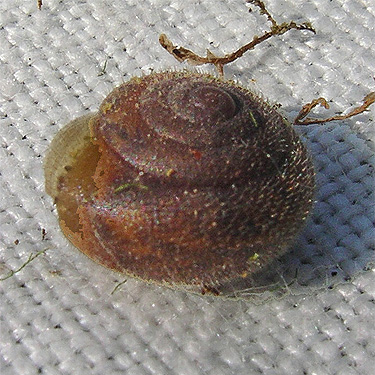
(314, 313)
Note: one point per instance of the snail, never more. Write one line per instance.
(181, 179)
(185, 179)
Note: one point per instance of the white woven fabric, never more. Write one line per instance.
(58, 316)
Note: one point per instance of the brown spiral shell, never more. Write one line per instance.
(181, 179)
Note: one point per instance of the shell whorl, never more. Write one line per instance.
(195, 176)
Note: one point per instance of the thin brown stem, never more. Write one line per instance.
(263, 10)
(302, 118)
(40, 3)
(183, 54)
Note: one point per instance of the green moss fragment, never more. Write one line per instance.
(131, 186)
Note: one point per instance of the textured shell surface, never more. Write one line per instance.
(182, 179)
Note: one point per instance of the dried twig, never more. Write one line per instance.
(182, 54)
(40, 3)
(301, 118)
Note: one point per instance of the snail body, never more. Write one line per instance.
(181, 179)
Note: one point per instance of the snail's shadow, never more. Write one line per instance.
(338, 239)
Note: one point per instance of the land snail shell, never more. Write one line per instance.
(181, 179)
